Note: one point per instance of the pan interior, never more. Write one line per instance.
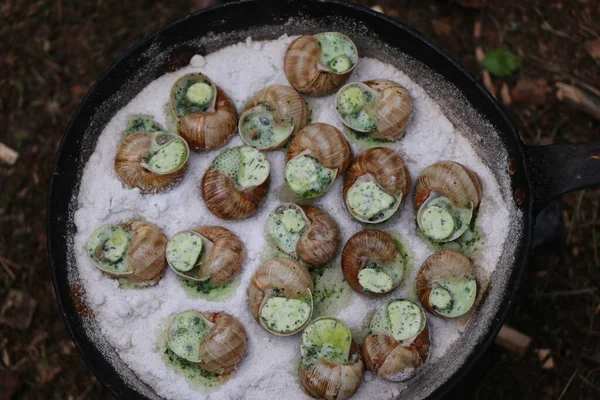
(483, 137)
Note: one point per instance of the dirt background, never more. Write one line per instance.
(51, 52)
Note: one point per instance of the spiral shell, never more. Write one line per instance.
(133, 170)
(222, 260)
(330, 379)
(450, 186)
(138, 255)
(222, 188)
(284, 278)
(206, 127)
(387, 170)
(393, 359)
(218, 340)
(446, 285)
(304, 64)
(271, 116)
(377, 251)
(327, 146)
(380, 107)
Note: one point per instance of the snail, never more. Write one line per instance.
(380, 108)
(272, 116)
(331, 366)
(280, 296)
(209, 254)
(216, 342)
(236, 183)
(375, 184)
(316, 65)
(398, 340)
(446, 284)
(304, 232)
(151, 161)
(317, 155)
(206, 116)
(133, 250)
(372, 263)
(446, 195)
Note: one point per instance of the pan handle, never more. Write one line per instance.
(561, 168)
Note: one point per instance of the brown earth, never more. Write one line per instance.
(51, 52)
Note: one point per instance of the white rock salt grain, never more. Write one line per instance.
(134, 321)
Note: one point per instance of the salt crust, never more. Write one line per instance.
(134, 321)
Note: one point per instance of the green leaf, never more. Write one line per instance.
(501, 62)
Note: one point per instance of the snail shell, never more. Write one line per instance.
(285, 279)
(236, 183)
(387, 170)
(206, 118)
(313, 71)
(331, 378)
(216, 342)
(272, 116)
(446, 284)
(139, 161)
(308, 233)
(324, 144)
(395, 352)
(446, 194)
(221, 258)
(380, 107)
(133, 250)
(372, 263)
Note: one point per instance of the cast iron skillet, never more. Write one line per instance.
(538, 174)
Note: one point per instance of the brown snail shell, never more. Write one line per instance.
(222, 259)
(370, 247)
(439, 269)
(288, 111)
(386, 168)
(209, 129)
(135, 173)
(145, 254)
(226, 199)
(326, 144)
(280, 277)
(223, 348)
(331, 380)
(396, 360)
(306, 73)
(391, 108)
(320, 238)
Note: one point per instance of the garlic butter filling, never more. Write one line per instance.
(107, 247)
(326, 339)
(306, 177)
(184, 250)
(186, 335)
(338, 53)
(401, 319)
(286, 226)
(142, 123)
(193, 93)
(285, 315)
(260, 129)
(356, 105)
(377, 278)
(247, 166)
(454, 297)
(369, 201)
(440, 220)
(169, 153)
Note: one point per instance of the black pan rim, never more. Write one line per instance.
(518, 266)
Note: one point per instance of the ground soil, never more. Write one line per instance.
(51, 52)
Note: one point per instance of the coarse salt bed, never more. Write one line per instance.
(134, 321)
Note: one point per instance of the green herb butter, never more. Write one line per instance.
(306, 177)
(260, 129)
(183, 251)
(107, 247)
(367, 200)
(437, 223)
(463, 293)
(337, 52)
(247, 166)
(401, 319)
(326, 339)
(199, 93)
(375, 281)
(186, 334)
(285, 315)
(169, 157)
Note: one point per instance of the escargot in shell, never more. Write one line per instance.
(372, 262)
(446, 284)
(206, 116)
(236, 183)
(151, 161)
(216, 342)
(380, 108)
(133, 250)
(272, 116)
(446, 196)
(280, 296)
(398, 341)
(375, 184)
(316, 65)
(316, 156)
(331, 366)
(304, 232)
(210, 254)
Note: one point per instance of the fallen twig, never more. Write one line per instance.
(512, 340)
(480, 55)
(7, 155)
(582, 99)
(563, 293)
(568, 384)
